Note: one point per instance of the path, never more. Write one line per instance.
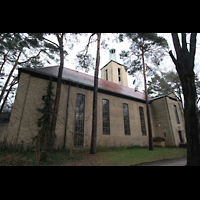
(172, 162)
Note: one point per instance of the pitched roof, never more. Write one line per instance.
(86, 80)
(111, 61)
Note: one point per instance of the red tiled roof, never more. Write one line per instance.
(87, 80)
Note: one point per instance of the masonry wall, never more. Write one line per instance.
(112, 69)
(175, 126)
(117, 136)
(164, 120)
(23, 121)
(161, 121)
(3, 130)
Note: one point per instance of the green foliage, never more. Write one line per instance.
(31, 43)
(164, 84)
(85, 61)
(21, 50)
(152, 45)
(44, 141)
(169, 82)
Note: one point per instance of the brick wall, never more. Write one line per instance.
(164, 120)
(23, 127)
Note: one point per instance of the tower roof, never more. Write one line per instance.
(112, 61)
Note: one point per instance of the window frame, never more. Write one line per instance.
(126, 124)
(106, 74)
(105, 115)
(79, 123)
(142, 121)
(176, 114)
(119, 75)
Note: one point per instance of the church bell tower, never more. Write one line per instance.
(112, 55)
(114, 71)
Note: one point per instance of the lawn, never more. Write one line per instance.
(136, 156)
(106, 157)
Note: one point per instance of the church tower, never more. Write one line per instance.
(112, 55)
(114, 71)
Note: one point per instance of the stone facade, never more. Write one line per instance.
(113, 75)
(23, 126)
(164, 119)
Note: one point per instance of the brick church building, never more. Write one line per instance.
(122, 118)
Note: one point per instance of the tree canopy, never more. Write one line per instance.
(152, 45)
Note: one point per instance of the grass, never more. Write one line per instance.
(136, 156)
(104, 157)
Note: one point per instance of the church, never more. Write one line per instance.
(122, 118)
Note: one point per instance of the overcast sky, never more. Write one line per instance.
(165, 65)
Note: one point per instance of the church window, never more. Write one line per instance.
(142, 120)
(176, 113)
(119, 71)
(106, 74)
(126, 119)
(119, 77)
(106, 120)
(79, 121)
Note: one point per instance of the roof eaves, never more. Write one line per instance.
(164, 95)
(113, 61)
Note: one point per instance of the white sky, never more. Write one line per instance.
(165, 65)
(69, 62)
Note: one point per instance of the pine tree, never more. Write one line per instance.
(21, 49)
(43, 139)
(85, 61)
(143, 45)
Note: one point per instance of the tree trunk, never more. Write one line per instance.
(10, 75)
(94, 116)
(185, 66)
(58, 92)
(191, 119)
(147, 105)
(8, 92)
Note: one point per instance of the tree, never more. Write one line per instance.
(85, 61)
(15, 50)
(184, 63)
(94, 116)
(60, 47)
(43, 139)
(144, 45)
(165, 83)
(58, 90)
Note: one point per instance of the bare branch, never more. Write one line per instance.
(32, 57)
(172, 57)
(184, 43)
(62, 36)
(193, 43)
(86, 49)
(4, 60)
(46, 39)
(176, 42)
